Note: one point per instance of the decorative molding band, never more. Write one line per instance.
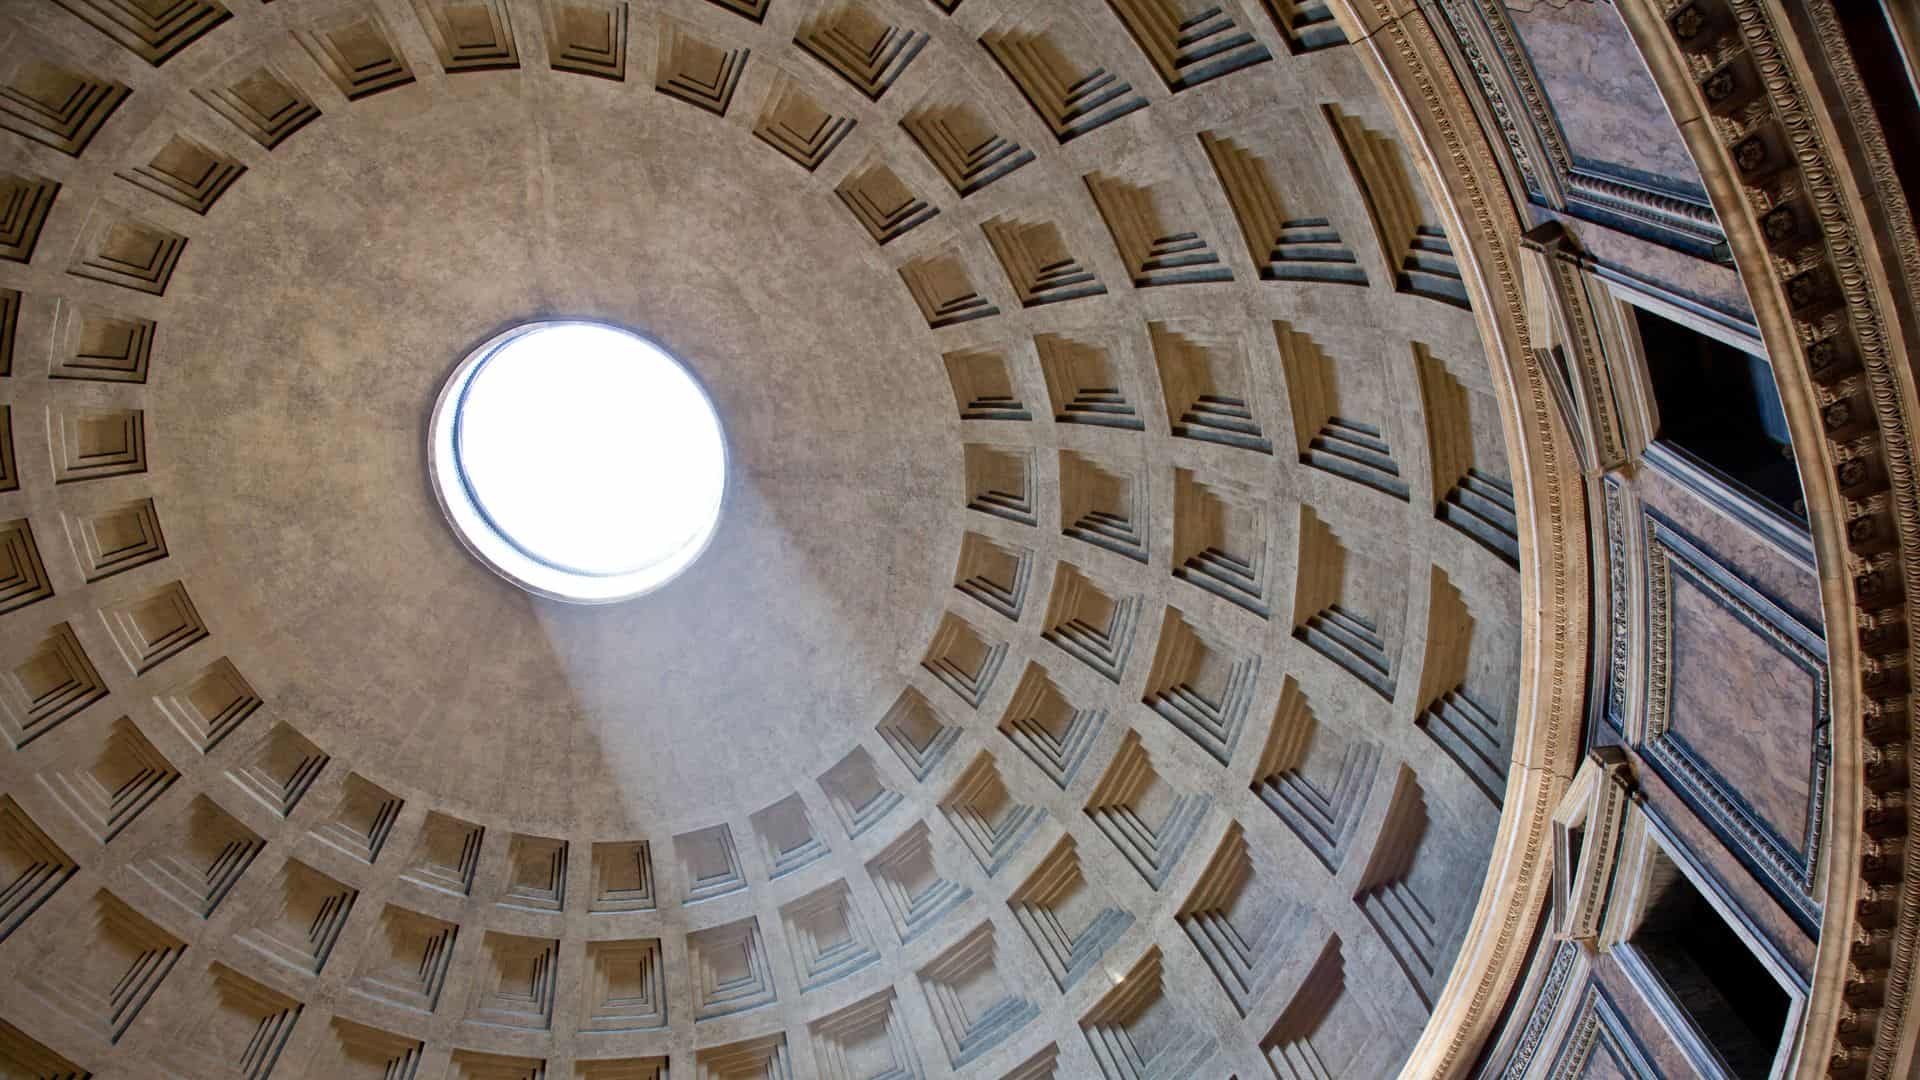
(1435, 117)
(1545, 168)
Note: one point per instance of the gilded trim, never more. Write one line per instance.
(1787, 866)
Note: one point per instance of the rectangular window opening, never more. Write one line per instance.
(1719, 408)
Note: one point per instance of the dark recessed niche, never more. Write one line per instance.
(1739, 1009)
(1718, 406)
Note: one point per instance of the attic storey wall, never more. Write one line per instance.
(989, 299)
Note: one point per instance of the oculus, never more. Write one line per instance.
(578, 460)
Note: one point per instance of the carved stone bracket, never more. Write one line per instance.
(1593, 809)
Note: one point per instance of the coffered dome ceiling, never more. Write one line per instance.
(1108, 662)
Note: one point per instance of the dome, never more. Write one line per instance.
(1103, 539)
(579, 460)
